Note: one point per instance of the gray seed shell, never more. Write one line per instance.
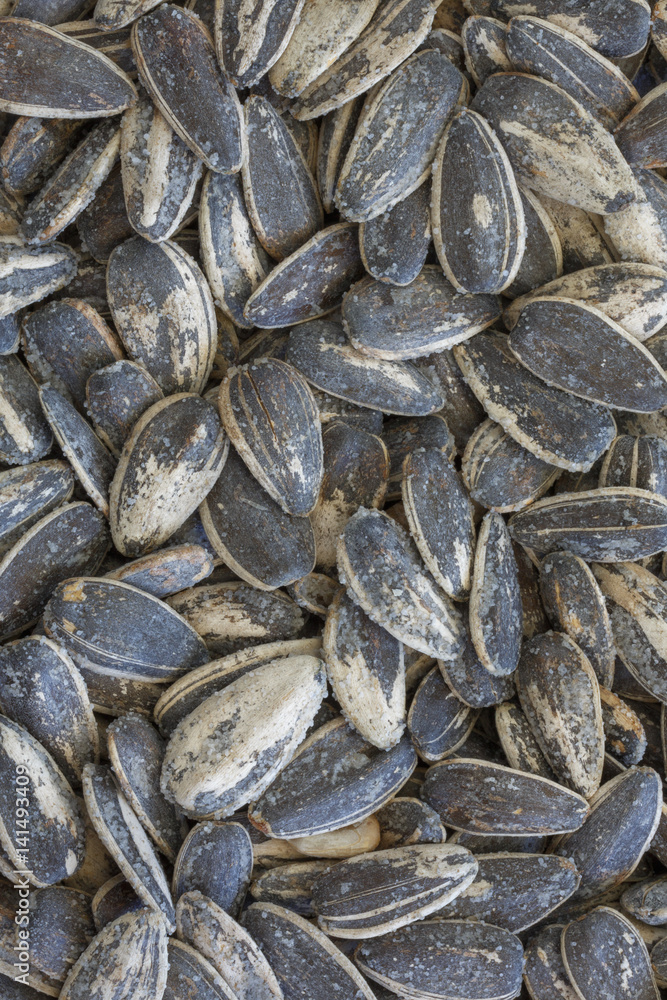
(625, 737)
(496, 612)
(545, 975)
(636, 461)
(249, 40)
(646, 901)
(485, 46)
(640, 136)
(215, 859)
(55, 76)
(116, 396)
(582, 240)
(618, 949)
(336, 133)
(480, 797)
(405, 821)
(114, 14)
(187, 968)
(25, 436)
(28, 493)
(470, 681)
(542, 259)
(394, 245)
(32, 149)
(438, 722)
(28, 274)
(178, 66)
(462, 411)
(336, 779)
(167, 571)
(388, 322)
(518, 741)
(114, 44)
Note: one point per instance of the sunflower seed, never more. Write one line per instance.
(444, 960)
(129, 953)
(470, 681)
(113, 44)
(113, 899)
(188, 967)
(545, 975)
(215, 859)
(583, 243)
(116, 396)
(496, 613)
(32, 150)
(104, 224)
(625, 738)
(336, 133)
(606, 939)
(25, 435)
(178, 66)
(394, 245)
(478, 797)
(518, 741)
(392, 323)
(28, 274)
(403, 437)
(542, 259)
(366, 671)
(336, 779)
(396, 29)
(167, 571)
(484, 45)
(640, 136)
(163, 311)
(500, 474)
(574, 604)
(577, 162)
(405, 821)
(67, 78)
(289, 886)
(438, 722)
(28, 493)
(250, 41)
(228, 947)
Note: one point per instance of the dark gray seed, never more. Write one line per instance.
(168, 464)
(356, 465)
(112, 695)
(112, 628)
(337, 778)
(542, 259)
(445, 960)
(485, 46)
(471, 682)
(304, 960)
(555, 145)
(445, 40)
(574, 604)
(478, 797)
(647, 901)
(631, 294)
(623, 819)
(182, 697)
(555, 426)
(385, 164)
(440, 516)
(396, 29)
(518, 741)
(383, 573)
(636, 461)
(461, 411)
(61, 926)
(636, 601)
(234, 260)
(25, 436)
(104, 223)
(163, 310)
(594, 524)
(583, 242)
(272, 420)
(438, 721)
(32, 150)
(123, 836)
(159, 172)
(65, 342)
(28, 493)
(556, 54)
(274, 165)
(113, 14)
(556, 339)
(534, 616)
(41, 689)
(403, 437)
(262, 544)
(178, 66)
(392, 323)
(56, 832)
(249, 42)
(366, 671)
(231, 747)
(375, 893)
(167, 571)
(336, 133)
(44, 73)
(625, 738)
(560, 697)
(479, 844)
(641, 134)
(477, 214)
(130, 953)
(114, 44)
(502, 475)
(31, 273)
(71, 539)
(113, 899)
(72, 187)
(53, 12)
(314, 592)
(320, 351)
(496, 612)
(309, 283)
(9, 334)
(606, 958)
(93, 465)
(658, 962)
(289, 886)
(116, 396)
(545, 975)
(136, 751)
(406, 821)
(215, 859)
(514, 891)
(394, 245)
(187, 970)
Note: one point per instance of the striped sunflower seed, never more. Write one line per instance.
(405, 821)
(394, 245)
(28, 493)
(167, 571)
(518, 741)
(438, 722)
(116, 396)
(625, 737)
(605, 938)
(496, 613)
(32, 149)
(215, 859)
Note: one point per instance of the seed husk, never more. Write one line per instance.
(114, 14)
(289, 886)
(405, 821)
(404, 436)
(28, 274)
(518, 741)
(25, 435)
(625, 738)
(606, 939)
(113, 44)
(112, 900)
(438, 722)
(582, 240)
(542, 259)
(394, 245)
(312, 796)
(188, 967)
(167, 571)
(32, 150)
(116, 396)
(470, 680)
(640, 136)
(636, 461)
(28, 493)
(496, 612)
(336, 133)
(248, 44)
(66, 78)
(479, 797)
(215, 859)
(545, 975)
(178, 66)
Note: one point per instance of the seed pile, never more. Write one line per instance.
(333, 499)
